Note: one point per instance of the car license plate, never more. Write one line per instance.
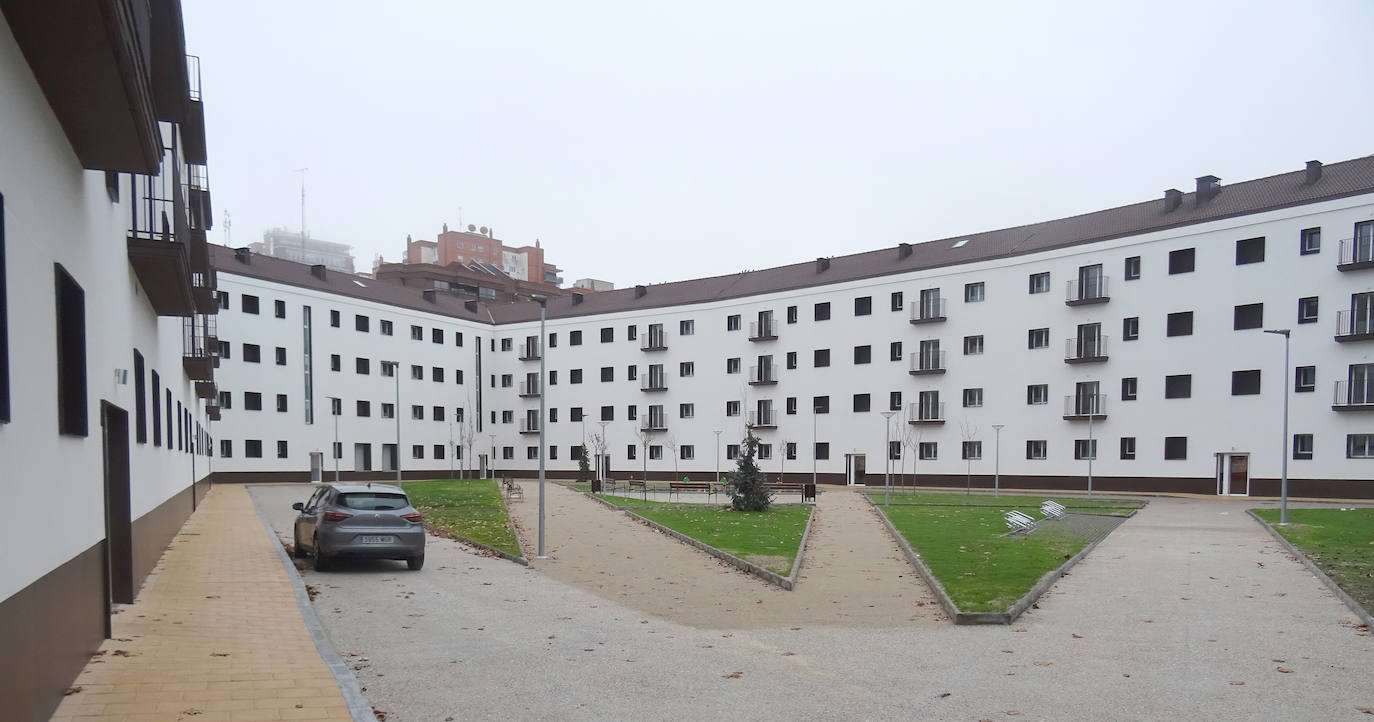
(376, 539)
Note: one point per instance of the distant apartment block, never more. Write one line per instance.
(592, 284)
(301, 248)
(479, 246)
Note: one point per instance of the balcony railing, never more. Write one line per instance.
(650, 423)
(1351, 326)
(654, 342)
(763, 375)
(212, 409)
(159, 226)
(766, 330)
(925, 413)
(529, 426)
(653, 382)
(928, 310)
(1087, 291)
(1089, 349)
(198, 353)
(529, 388)
(1354, 254)
(529, 352)
(927, 362)
(762, 419)
(1358, 398)
(1081, 407)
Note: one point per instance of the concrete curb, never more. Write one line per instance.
(1330, 583)
(787, 582)
(521, 560)
(358, 706)
(1015, 610)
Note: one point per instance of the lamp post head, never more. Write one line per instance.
(541, 300)
(1279, 331)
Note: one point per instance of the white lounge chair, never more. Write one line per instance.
(1053, 510)
(1019, 522)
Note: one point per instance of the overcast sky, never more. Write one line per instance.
(645, 142)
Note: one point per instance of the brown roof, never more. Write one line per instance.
(1337, 180)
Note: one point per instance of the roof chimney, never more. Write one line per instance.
(576, 298)
(470, 306)
(243, 255)
(318, 271)
(1208, 187)
(1314, 172)
(822, 264)
(428, 294)
(1173, 198)
(640, 291)
(903, 250)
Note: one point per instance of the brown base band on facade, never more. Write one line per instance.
(153, 531)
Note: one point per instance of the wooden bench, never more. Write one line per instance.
(640, 485)
(808, 491)
(677, 487)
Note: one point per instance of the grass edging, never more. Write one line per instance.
(787, 582)
(445, 534)
(1330, 583)
(960, 617)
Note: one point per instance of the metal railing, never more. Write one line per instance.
(653, 382)
(930, 309)
(1093, 289)
(925, 361)
(193, 77)
(1349, 323)
(649, 423)
(761, 417)
(1086, 348)
(763, 374)
(196, 332)
(529, 388)
(1358, 396)
(529, 351)
(157, 201)
(918, 411)
(529, 426)
(1354, 250)
(653, 341)
(763, 330)
(1085, 405)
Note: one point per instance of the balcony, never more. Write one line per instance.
(653, 342)
(212, 409)
(765, 375)
(761, 419)
(1359, 399)
(1086, 292)
(653, 383)
(928, 311)
(158, 233)
(198, 354)
(529, 352)
(653, 424)
(1086, 407)
(927, 362)
(1089, 349)
(529, 389)
(925, 413)
(206, 390)
(1355, 254)
(1354, 327)
(529, 426)
(193, 129)
(763, 330)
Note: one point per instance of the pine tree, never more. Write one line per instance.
(584, 466)
(747, 492)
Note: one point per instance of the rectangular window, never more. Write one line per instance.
(732, 408)
(281, 356)
(362, 366)
(1245, 383)
(1036, 449)
(732, 451)
(973, 292)
(140, 402)
(71, 355)
(223, 297)
(252, 353)
(364, 408)
(686, 328)
(821, 358)
(607, 373)
(1130, 328)
(861, 403)
(252, 448)
(281, 403)
(360, 323)
(1175, 448)
(820, 404)
(607, 335)
(822, 311)
(822, 451)
(863, 354)
(248, 304)
(1132, 271)
(386, 328)
(928, 450)
(252, 401)
(226, 449)
(1127, 448)
(732, 322)
(575, 376)
(417, 333)
(458, 341)
(1305, 379)
(507, 344)
(436, 335)
(1307, 310)
(631, 373)
(897, 300)
(1037, 394)
(1178, 387)
(894, 401)
(732, 365)
(972, 450)
(1179, 324)
(1129, 388)
(791, 359)
(1038, 338)
(436, 373)
(686, 369)
(973, 345)
(437, 413)
(791, 405)
(1181, 261)
(863, 305)
(1310, 241)
(281, 450)
(1040, 282)
(388, 410)
(574, 338)
(894, 351)
(1249, 315)
(686, 411)
(1084, 449)
(791, 314)
(608, 413)
(157, 410)
(334, 319)
(335, 362)
(973, 398)
(1250, 250)
(279, 308)
(226, 400)
(1302, 446)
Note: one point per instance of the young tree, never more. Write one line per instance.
(745, 483)
(970, 433)
(911, 439)
(599, 444)
(584, 469)
(643, 435)
(672, 444)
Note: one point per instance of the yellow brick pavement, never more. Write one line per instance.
(214, 635)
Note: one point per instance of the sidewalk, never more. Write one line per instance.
(215, 634)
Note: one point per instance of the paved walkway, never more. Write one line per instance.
(215, 634)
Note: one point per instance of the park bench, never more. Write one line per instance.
(808, 491)
(677, 487)
(642, 486)
(1019, 522)
(1053, 509)
(512, 489)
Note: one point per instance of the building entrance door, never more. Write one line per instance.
(1233, 474)
(119, 530)
(855, 470)
(362, 457)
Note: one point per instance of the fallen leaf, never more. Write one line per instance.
(732, 675)
(1043, 664)
(1283, 670)
(1077, 636)
(1238, 684)
(71, 691)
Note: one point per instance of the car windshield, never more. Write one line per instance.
(373, 501)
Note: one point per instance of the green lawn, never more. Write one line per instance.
(1005, 502)
(964, 545)
(1340, 542)
(471, 508)
(770, 539)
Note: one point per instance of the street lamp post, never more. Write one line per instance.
(491, 464)
(450, 451)
(543, 450)
(814, 418)
(997, 461)
(1283, 446)
(1092, 447)
(600, 454)
(336, 405)
(718, 433)
(887, 457)
(396, 413)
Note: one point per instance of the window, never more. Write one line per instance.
(1245, 383)
(791, 405)
(71, 355)
(458, 341)
(820, 404)
(732, 365)
(252, 353)
(248, 304)
(863, 354)
(1128, 388)
(336, 406)
(507, 344)
(1036, 449)
(632, 373)
(1038, 338)
(822, 311)
(732, 451)
(607, 335)
(686, 411)
(791, 314)
(632, 412)
(575, 376)
(1179, 324)
(507, 452)
(385, 328)
(335, 362)
(1084, 449)
(574, 338)
(791, 359)
(226, 400)
(140, 402)
(1130, 328)
(686, 369)
(897, 301)
(973, 292)
(226, 449)
(972, 450)
(279, 308)
(1037, 394)
(973, 345)
(575, 414)
(281, 403)
(863, 305)
(437, 413)
(1040, 282)
(362, 365)
(364, 408)
(1127, 448)
(1307, 310)
(607, 373)
(928, 450)
(686, 328)
(334, 319)
(281, 450)
(1178, 387)
(1302, 446)
(417, 333)
(360, 323)
(436, 335)
(1181, 261)
(732, 408)
(861, 403)
(1249, 315)
(894, 401)
(281, 356)
(732, 322)
(1310, 241)
(224, 350)
(1175, 448)
(822, 451)
(686, 452)
(252, 401)
(436, 373)
(1305, 379)
(507, 380)
(223, 297)
(894, 351)
(821, 357)
(1359, 446)
(252, 448)
(1250, 250)
(388, 410)
(507, 416)
(973, 398)
(1132, 271)
(608, 413)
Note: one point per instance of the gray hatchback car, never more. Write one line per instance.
(366, 520)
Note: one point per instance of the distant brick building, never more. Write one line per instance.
(479, 246)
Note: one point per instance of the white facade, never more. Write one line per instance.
(1211, 418)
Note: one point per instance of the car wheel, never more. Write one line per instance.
(322, 562)
(416, 563)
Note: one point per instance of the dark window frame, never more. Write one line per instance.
(1175, 448)
(1250, 250)
(1183, 260)
(1248, 316)
(1131, 271)
(1178, 386)
(72, 414)
(1245, 382)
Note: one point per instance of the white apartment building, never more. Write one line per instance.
(105, 296)
(1132, 338)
